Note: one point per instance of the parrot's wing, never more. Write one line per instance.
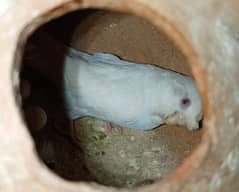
(99, 56)
(76, 53)
(106, 57)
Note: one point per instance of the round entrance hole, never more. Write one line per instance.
(90, 153)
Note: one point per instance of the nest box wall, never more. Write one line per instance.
(207, 34)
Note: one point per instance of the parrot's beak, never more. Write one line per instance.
(171, 119)
(176, 119)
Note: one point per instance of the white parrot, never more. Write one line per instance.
(127, 94)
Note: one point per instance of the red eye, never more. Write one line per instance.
(185, 102)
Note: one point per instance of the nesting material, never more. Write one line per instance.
(136, 157)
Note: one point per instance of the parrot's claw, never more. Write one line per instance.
(110, 127)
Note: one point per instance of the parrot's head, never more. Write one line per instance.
(188, 107)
